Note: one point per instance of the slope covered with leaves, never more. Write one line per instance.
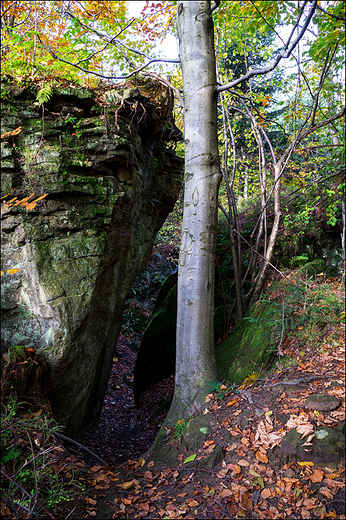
(241, 470)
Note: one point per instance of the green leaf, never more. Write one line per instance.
(321, 434)
(190, 458)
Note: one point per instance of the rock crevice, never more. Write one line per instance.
(111, 178)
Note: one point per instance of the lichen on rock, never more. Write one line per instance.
(111, 178)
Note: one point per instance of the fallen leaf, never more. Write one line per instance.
(236, 469)
(243, 462)
(128, 485)
(231, 403)
(96, 468)
(234, 433)
(225, 493)
(91, 501)
(266, 493)
(317, 475)
(306, 463)
(326, 492)
(193, 503)
(245, 500)
(190, 458)
(208, 443)
(260, 456)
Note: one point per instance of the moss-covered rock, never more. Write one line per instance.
(111, 181)
(251, 344)
(328, 447)
(156, 357)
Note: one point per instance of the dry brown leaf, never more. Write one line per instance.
(266, 493)
(96, 468)
(245, 500)
(243, 462)
(148, 475)
(91, 501)
(260, 456)
(208, 443)
(236, 469)
(225, 493)
(234, 433)
(326, 492)
(193, 503)
(231, 403)
(317, 475)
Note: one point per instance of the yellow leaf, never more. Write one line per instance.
(12, 271)
(306, 463)
(269, 413)
(16, 131)
(2, 272)
(128, 485)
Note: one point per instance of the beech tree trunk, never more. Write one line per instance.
(195, 358)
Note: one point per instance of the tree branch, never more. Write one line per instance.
(330, 14)
(285, 53)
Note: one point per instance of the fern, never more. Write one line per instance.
(44, 94)
(11, 454)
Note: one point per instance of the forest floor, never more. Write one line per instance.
(251, 480)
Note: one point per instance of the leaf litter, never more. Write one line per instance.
(251, 481)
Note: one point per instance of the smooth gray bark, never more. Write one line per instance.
(195, 359)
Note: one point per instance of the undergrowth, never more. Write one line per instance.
(35, 477)
(311, 310)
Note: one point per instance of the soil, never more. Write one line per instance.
(126, 429)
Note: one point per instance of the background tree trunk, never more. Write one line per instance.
(195, 359)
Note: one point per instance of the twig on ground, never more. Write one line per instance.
(80, 446)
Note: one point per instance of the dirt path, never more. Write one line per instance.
(124, 431)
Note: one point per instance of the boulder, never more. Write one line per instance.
(251, 344)
(328, 447)
(111, 178)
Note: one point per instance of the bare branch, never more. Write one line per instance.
(153, 60)
(285, 53)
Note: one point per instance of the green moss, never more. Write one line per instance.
(250, 345)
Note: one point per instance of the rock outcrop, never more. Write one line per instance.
(103, 157)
